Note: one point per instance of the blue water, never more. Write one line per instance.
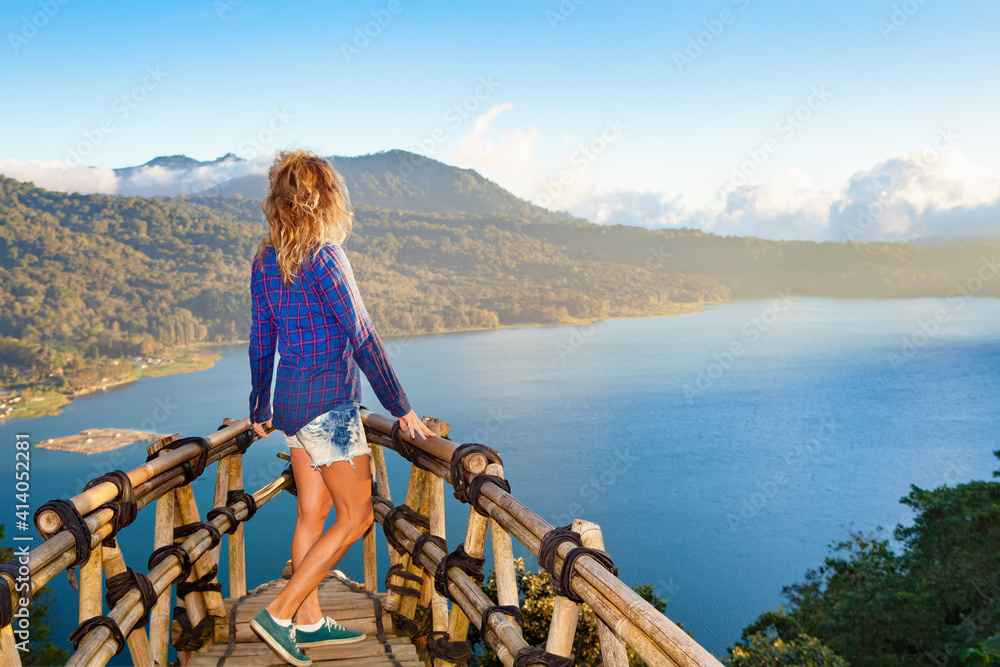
(722, 452)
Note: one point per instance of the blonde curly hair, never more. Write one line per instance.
(307, 206)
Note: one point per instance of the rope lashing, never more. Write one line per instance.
(537, 655)
(547, 558)
(405, 449)
(192, 528)
(398, 570)
(287, 472)
(191, 637)
(72, 521)
(82, 630)
(418, 546)
(229, 511)
(123, 504)
(476, 486)
(243, 440)
(379, 500)
(458, 470)
(12, 570)
(190, 472)
(123, 582)
(200, 585)
(421, 623)
(439, 645)
(471, 565)
(507, 610)
(389, 524)
(237, 495)
(183, 558)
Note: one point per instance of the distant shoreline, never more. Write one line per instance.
(186, 359)
(54, 401)
(195, 360)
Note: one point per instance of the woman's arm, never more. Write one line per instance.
(340, 291)
(263, 336)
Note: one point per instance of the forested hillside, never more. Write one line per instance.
(86, 280)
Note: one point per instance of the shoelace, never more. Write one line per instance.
(291, 632)
(331, 624)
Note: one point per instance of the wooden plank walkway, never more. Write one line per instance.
(351, 608)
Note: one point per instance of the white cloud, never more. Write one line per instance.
(142, 181)
(512, 161)
(926, 193)
(632, 207)
(59, 176)
(930, 192)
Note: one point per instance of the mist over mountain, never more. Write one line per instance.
(171, 175)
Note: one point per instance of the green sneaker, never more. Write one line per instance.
(279, 638)
(329, 633)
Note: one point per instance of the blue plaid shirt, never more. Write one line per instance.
(323, 334)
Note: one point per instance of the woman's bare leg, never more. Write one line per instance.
(351, 492)
(314, 502)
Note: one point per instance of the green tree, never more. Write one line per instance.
(537, 600)
(933, 599)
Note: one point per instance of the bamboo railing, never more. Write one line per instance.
(423, 579)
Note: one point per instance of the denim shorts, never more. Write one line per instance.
(337, 435)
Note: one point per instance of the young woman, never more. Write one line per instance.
(305, 302)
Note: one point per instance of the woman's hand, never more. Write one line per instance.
(259, 428)
(411, 423)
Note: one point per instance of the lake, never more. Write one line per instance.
(721, 452)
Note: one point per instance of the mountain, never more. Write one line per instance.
(406, 181)
(88, 281)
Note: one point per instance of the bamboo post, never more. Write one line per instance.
(381, 473)
(138, 643)
(435, 493)
(613, 653)
(10, 656)
(159, 622)
(475, 546)
(219, 499)
(369, 546)
(187, 511)
(503, 555)
(565, 614)
(414, 490)
(428, 584)
(438, 603)
(91, 586)
(235, 541)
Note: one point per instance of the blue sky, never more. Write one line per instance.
(678, 118)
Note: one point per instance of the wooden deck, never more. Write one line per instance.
(348, 605)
